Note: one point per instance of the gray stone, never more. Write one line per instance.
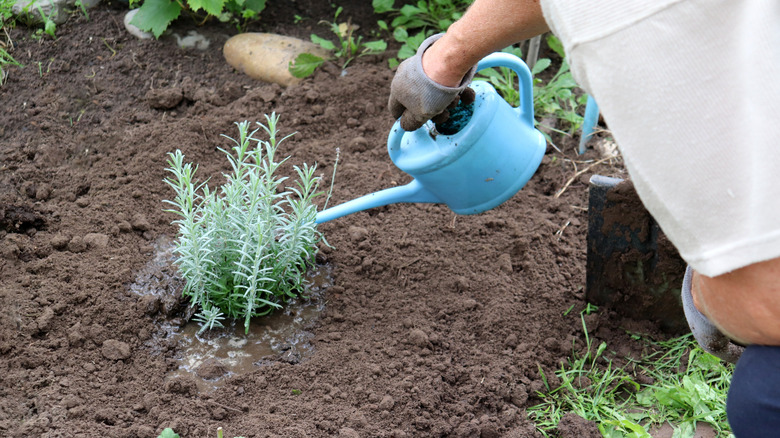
(133, 29)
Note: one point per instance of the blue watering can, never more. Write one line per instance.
(474, 170)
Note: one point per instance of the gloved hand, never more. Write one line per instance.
(709, 337)
(416, 98)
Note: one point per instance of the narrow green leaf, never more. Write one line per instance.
(555, 44)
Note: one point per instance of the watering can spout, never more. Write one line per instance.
(412, 192)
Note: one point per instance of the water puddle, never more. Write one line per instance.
(211, 356)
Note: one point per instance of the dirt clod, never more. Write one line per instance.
(115, 350)
(211, 369)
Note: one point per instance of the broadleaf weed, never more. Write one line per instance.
(244, 249)
(412, 22)
(350, 46)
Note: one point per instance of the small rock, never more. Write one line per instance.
(353, 122)
(115, 350)
(82, 202)
(133, 29)
(193, 40)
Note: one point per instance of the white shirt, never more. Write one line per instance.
(691, 91)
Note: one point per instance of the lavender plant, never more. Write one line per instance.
(244, 249)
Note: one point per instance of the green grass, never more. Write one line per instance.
(689, 387)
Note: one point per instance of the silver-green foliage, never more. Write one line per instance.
(244, 249)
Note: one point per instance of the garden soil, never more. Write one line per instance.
(433, 325)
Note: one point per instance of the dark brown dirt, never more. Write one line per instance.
(436, 324)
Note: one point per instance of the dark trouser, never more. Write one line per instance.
(753, 404)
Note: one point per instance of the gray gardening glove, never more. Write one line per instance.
(415, 98)
(709, 337)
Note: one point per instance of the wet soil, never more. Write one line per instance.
(433, 324)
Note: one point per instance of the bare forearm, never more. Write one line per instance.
(487, 26)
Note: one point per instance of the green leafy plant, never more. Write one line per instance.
(80, 4)
(412, 22)
(244, 249)
(349, 47)
(7, 20)
(558, 97)
(438, 14)
(156, 15)
(169, 433)
(504, 79)
(49, 26)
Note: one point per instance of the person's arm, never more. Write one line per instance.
(486, 27)
(441, 70)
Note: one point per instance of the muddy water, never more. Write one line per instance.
(211, 356)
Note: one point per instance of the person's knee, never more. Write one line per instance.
(743, 303)
(753, 405)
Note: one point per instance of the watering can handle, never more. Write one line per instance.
(525, 81)
(498, 59)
